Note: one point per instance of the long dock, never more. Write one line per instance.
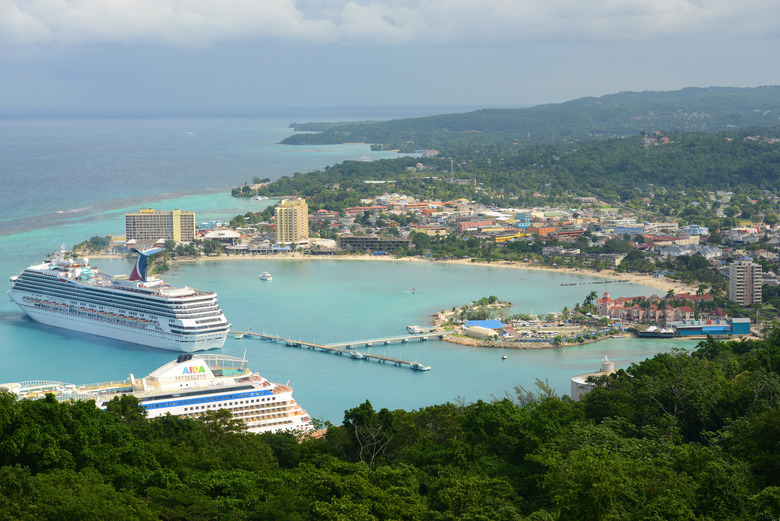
(388, 340)
(347, 348)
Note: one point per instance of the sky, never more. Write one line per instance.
(341, 53)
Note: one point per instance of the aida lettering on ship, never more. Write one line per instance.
(136, 309)
(190, 386)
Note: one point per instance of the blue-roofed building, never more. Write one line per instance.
(695, 229)
(487, 324)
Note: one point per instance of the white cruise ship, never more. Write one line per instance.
(135, 309)
(190, 386)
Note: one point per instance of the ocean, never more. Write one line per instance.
(68, 177)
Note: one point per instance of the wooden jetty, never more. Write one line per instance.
(346, 348)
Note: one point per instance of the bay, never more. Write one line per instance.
(69, 178)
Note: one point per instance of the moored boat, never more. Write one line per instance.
(135, 309)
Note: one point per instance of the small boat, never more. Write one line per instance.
(503, 357)
(415, 330)
(357, 355)
(420, 367)
(265, 276)
(239, 336)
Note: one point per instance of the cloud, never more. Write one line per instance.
(200, 23)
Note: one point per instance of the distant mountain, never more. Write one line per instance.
(627, 113)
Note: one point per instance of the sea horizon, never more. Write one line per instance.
(358, 112)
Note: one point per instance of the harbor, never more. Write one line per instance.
(348, 348)
(331, 305)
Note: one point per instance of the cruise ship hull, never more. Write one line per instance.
(137, 309)
(112, 328)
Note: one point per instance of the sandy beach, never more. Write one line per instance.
(663, 284)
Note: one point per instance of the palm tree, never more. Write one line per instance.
(645, 306)
(592, 296)
(699, 293)
(670, 294)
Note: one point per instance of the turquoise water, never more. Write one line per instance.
(333, 301)
(93, 170)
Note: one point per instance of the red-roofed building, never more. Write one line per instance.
(628, 310)
(473, 225)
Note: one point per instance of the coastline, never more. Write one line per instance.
(474, 342)
(661, 283)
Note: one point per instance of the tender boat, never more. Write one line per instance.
(265, 276)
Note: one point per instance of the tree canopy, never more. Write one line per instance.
(679, 436)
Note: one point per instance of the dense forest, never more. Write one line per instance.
(680, 436)
(624, 114)
(670, 168)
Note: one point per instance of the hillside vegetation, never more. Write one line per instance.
(629, 113)
(680, 436)
(670, 168)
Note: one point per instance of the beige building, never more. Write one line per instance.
(149, 226)
(292, 221)
(745, 282)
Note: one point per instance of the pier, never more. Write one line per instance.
(403, 339)
(348, 348)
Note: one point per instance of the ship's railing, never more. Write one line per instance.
(224, 362)
(106, 385)
(37, 386)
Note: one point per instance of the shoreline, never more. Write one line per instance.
(494, 344)
(661, 283)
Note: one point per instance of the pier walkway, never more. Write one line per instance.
(388, 340)
(347, 348)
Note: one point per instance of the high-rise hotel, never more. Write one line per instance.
(149, 226)
(292, 221)
(745, 282)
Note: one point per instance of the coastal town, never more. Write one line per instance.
(707, 278)
(390, 261)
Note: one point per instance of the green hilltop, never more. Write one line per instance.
(709, 109)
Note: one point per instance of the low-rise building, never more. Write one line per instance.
(372, 242)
